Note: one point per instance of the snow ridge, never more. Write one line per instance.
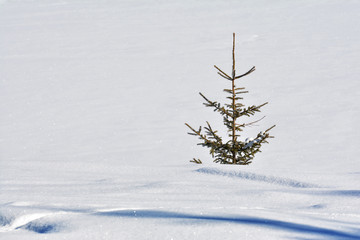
(31, 222)
(256, 177)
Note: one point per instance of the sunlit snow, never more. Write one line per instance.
(93, 100)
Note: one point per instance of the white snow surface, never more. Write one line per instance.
(94, 95)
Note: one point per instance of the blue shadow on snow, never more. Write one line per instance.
(268, 223)
(41, 228)
(345, 193)
(257, 177)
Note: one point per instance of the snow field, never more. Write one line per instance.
(93, 100)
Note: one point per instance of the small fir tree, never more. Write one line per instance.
(233, 151)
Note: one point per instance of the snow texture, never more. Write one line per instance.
(93, 100)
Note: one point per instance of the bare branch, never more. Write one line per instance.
(223, 76)
(248, 72)
(251, 123)
(262, 105)
(197, 161)
(223, 73)
(270, 128)
(198, 133)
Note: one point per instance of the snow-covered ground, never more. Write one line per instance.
(93, 100)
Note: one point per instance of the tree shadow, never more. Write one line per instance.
(257, 177)
(268, 223)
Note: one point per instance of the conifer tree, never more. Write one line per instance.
(232, 151)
